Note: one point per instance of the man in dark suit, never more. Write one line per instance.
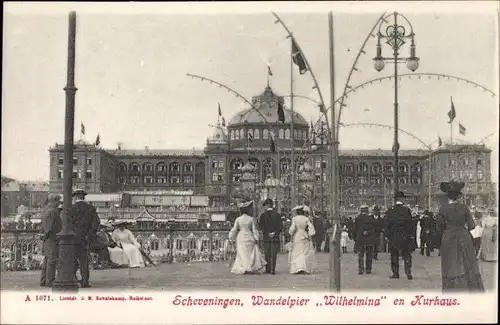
(400, 235)
(426, 233)
(85, 223)
(379, 236)
(320, 232)
(270, 225)
(365, 236)
(52, 225)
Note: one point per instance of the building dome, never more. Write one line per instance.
(267, 104)
(218, 136)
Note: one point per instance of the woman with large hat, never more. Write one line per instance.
(249, 258)
(127, 242)
(459, 267)
(302, 257)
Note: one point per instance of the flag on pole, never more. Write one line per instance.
(269, 71)
(97, 140)
(440, 142)
(82, 128)
(298, 58)
(223, 121)
(281, 112)
(220, 111)
(250, 137)
(273, 146)
(452, 113)
(461, 129)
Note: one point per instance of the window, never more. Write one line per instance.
(465, 161)
(75, 160)
(317, 164)
(480, 175)
(88, 174)
(217, 177)
(348, 180)
(281, 134)
(284, 166)
(287, 134)
(236, 135)
(349, 168)
(217, 164)
(148, 167)
(265, 134)
(376, 168)
(188, 167)
(479, 161)
(60, 174)
(416, 180)
(242, 135)
(388, 168)
(188, 179)
(388, 180)
(174, 167)
(175, 179)
(161, 179)
(134, 167)
(178, 244)
(76, 175)
(452, 163)
(250, 134)
(403, 168)
(121, 180)
(363, 167)
(89, 161)
(236, 164)
(416, 168)
(134, 179)
(304, 135)
(122, 168)
(148, 179)
(161, 167)
(256, 134)
(375, 180)
(362, 180)
(192, 244)
(403, 180)
(60, 160)
(236, 178)
(299, 134)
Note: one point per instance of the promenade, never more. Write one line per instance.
(216, 276)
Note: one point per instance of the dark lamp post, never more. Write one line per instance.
(395, 35)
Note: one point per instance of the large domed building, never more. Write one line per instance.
(253, 155)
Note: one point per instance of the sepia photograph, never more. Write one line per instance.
(182, 148)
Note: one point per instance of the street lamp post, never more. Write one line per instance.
(395, 36)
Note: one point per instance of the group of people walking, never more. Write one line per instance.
(254, 235)
(115, 249)
(451, 231)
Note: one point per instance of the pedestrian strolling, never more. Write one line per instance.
(52, 224)
(400, 234)
(365, 232)
(459, 266)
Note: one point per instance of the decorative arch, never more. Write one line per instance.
(236, 164)
(187, 167)
(122, 168)
(147, 167)
(134, 168)
(174, 167)
(403, 167)
(376, 168)
(161, 167)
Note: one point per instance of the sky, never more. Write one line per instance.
(132, 60)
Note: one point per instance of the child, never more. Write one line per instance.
(344, 238)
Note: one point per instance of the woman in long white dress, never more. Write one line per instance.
(116, 254)
(489, 244)
(126, 240)
(248, 256)
(302, 258)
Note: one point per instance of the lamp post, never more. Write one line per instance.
(395, 35)
(65, 278)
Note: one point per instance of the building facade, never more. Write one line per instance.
(255, 137)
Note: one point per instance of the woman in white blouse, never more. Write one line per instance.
(248, 256)
(302, 257)
(126, 241)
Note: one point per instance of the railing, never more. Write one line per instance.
(22, 249)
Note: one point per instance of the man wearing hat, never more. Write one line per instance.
(85, 223)
(379, 222)
(365, 236)
(270, 225)
(427, 227)
(51, 224)
(399, 233)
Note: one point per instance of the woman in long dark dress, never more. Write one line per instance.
(459, 268)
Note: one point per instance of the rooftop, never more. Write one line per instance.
(158, 152)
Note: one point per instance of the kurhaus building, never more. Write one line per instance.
(255, 137)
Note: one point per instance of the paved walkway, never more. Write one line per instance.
(216, 276)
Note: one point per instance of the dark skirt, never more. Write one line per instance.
(459, 266)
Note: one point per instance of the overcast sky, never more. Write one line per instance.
(132, 60)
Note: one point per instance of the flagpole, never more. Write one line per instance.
(292, 130)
